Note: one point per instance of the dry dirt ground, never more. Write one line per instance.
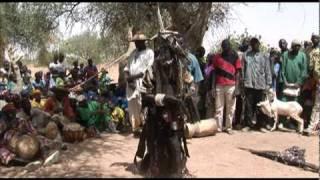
(214, 156)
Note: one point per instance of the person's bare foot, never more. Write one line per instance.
(264, 130)
(245, 129)
(229, 131)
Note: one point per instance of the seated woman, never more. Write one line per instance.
(58, 102)
(60, 80)
(20, 141)
(94, 114)
(11, 127)
(37, 102)
(39, 83)
(118, 117)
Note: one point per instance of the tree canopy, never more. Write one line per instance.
(86, 45)
(33, 26)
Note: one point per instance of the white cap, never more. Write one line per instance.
(296, 42)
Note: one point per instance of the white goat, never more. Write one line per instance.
(276, 107)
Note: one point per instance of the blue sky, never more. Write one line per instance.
(294, 20)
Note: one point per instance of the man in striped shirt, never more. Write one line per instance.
(227, 68)
(257, 79)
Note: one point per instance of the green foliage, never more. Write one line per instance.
(33, 26)
(30, 25)
(86, 45)
(187, 18)
(237, 39)
(43, 57)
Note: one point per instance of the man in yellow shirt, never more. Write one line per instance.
(37, 102)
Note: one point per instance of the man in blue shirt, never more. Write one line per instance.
(194, 68)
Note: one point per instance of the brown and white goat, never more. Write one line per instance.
(273, 107)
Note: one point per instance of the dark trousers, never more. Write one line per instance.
(202, 106)
(238, 112)
(252, 113)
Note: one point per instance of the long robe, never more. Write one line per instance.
(88, 117)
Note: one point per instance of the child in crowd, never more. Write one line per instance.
(60, 80)
(39, 83)
(12, 83)
(27, 85)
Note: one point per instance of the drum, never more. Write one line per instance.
(73, 132)
(91, 132)
(206, 127)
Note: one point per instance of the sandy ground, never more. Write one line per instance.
(214, 156)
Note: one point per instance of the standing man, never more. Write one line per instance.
(139, 61)
(75, 73)
(294, 68)
(62, 66)
(91, 70)
(257, 79)
(82, 73)
(200, 52)
(275, 69)
(294, 71)
(192, 101)
(55, 65)
(239, 112)
(227, 67)
(202, 86)
(314, 67)
(283, 45)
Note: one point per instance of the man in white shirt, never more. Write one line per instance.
(139, 61)
(55, 64)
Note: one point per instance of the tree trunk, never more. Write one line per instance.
(2, 50)
(194, 27)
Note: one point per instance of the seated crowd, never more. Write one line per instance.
(38, 117)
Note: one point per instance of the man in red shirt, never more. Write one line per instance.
(227, 68)
(90, 71)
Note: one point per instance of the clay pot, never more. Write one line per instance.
(27, 147)
(202, 128)
(51, 130)
(12, 144)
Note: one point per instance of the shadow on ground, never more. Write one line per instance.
(75, 162)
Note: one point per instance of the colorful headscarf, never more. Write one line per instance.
(36, 92)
